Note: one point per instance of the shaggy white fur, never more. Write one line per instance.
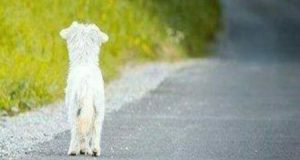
(85, 88)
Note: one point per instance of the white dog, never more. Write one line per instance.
(85, 88)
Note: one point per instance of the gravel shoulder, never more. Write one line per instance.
(18, 134)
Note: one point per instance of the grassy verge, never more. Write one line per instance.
(33, 58)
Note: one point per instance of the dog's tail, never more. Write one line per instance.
(85, 112)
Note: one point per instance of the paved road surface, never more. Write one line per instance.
(243, 104)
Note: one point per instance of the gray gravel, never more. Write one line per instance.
(18, 134)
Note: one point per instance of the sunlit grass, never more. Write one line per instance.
(34, 60)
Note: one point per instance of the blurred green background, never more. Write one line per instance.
(34, 60)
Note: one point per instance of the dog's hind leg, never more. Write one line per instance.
(74, 148)
(97, 129)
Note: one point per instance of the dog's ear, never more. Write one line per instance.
(65, 33)
(97, 35)
(103, 37)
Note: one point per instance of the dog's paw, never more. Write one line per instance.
(86, 151)
(96, 152)
(73, 152)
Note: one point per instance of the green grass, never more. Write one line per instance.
(34, 61)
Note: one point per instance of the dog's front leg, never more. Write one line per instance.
(85, 145)
(96, 137)
(74, 148)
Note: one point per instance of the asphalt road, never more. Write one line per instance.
(242, 104)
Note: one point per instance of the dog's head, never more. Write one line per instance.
(88, 33)
(83, 41)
